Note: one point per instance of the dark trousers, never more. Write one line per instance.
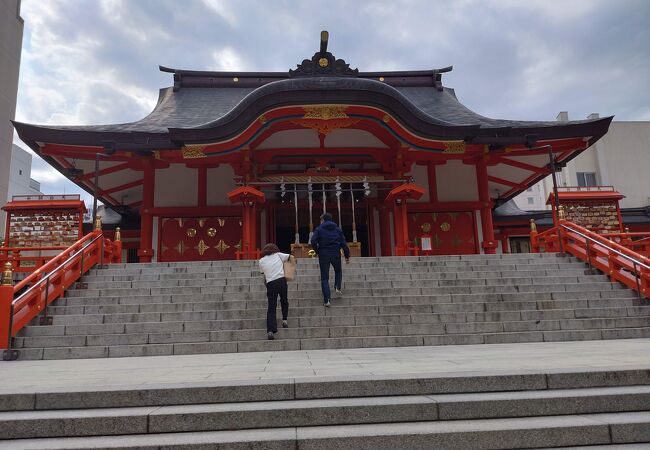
(324, 262)
(273, 289)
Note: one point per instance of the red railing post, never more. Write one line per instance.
(6, 298)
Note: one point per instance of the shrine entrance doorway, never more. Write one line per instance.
(285, 225)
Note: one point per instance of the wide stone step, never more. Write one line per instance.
(353, 276)
(315, 308)
(207, 302)
(320, 412)
(256, 284)
(522, 330)
(550, 431)
(476, 334)
(538, 316)
(243, 292)
(292, 388)
(484, 265)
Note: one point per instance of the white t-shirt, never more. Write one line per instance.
(272, 266)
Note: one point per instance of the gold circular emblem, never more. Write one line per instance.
(212, 232)
(426, 227)
(235, 79)
(445, 226)
(191, 232)
(386, 118)
(381, 78)
(323, 62)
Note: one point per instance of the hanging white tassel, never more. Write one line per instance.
(338, 200)
(354, 222)
(310, 191)
(366, 187)
(295, 202)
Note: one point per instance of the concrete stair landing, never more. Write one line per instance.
(220, 307)
(462, 411)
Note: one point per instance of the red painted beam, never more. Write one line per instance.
(122, 187)
(194, 211)
(113, 169)
(502, 181)
(521, 165)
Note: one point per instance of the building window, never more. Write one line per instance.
(586, 179)
(20, 171)
(531, 200)
(530, 189)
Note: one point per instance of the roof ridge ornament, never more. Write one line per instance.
(323, 63)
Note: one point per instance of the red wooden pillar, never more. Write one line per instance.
(401, 231)
(384, 231)
(398, 197)
(202, 199)
(505, 248)
(146, 218)
(433, 186)
(249, 197)
(489, 244)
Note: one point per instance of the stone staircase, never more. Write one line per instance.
(220, 307)
(461, 411)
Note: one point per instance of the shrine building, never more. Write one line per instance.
(228, 161)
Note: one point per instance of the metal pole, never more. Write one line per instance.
(95, 190)
(47, 294)
(81, 269)
(556, 197)
(638, 284)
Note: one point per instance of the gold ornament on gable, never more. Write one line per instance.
(193, 151)
(325, 112)
(454, 147)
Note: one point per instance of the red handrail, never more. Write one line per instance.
(637, 242)
(29, 263)
(50, 281)
(619, 262)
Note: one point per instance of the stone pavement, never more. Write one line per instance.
(40, 376)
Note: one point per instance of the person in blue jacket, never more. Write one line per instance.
(327, 241)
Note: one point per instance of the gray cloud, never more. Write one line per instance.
(92, 62)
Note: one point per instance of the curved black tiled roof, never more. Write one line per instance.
(208, 106)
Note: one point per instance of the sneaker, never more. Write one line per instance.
(338, 292)
(327, 303)
(270, 335)
(285, 324)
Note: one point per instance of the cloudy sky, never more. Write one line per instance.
(96, 61)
